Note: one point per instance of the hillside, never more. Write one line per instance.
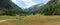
(51, 8)
(33, 8)
(7, 7)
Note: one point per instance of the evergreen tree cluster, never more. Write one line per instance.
(51, 8)
(7, 7)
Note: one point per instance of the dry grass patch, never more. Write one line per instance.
(41, 20)
(9, 23)
(33, 20)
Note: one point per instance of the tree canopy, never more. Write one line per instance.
(7, 7)
(51, 8)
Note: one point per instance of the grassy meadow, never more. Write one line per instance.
(30, 20)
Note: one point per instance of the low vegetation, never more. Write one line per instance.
(31, 20)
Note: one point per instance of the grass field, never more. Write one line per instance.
(30, 20)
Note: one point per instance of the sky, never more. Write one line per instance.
(28, 3)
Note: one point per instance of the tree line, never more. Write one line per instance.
(9, 8)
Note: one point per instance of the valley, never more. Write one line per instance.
(40, 14)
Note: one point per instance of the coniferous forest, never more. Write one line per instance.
(51, 8)
(7, 7)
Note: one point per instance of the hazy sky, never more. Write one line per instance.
(28, 3)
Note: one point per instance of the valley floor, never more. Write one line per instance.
(30, 20)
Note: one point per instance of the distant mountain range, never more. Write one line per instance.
(33, 8)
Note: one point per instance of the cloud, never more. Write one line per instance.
(15, 1)
(29, 2)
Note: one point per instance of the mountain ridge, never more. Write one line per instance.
(51, 8)
(33, 8)
(7, 7)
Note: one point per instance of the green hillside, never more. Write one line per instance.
(7, 7)
(51, 8)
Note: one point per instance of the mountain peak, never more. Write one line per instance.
(33, 8)
(28, 3)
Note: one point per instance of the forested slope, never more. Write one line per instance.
(51, 8)
(7, 7)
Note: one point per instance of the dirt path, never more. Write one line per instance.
(6, 20)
